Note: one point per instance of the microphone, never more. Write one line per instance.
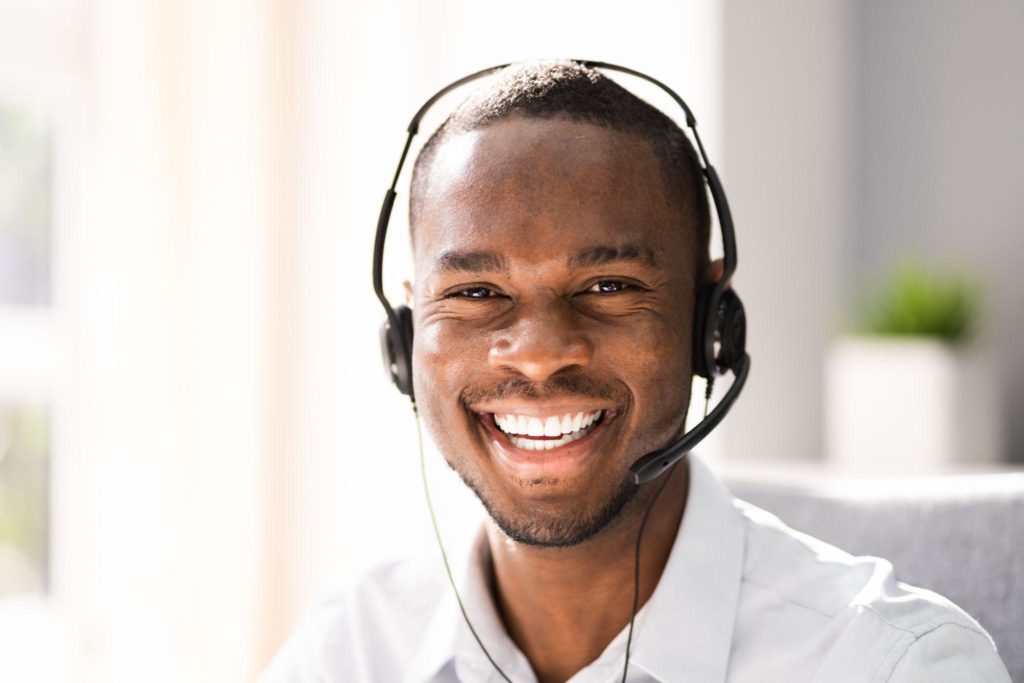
(655, 463)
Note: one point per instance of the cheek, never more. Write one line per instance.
(443, 366)
(653, 346)
(654, 359)
(441, 355)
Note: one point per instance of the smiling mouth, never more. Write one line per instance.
(531, 433)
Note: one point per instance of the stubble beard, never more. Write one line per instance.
(550, 531)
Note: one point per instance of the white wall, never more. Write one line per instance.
(939, 158)
(786, 80)
(857, 133)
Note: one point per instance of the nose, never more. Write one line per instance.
(542, 341)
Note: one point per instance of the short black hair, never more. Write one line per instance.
(564, 88)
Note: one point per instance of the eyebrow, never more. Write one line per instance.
(471, 261)
(601, 255)
(492, 262)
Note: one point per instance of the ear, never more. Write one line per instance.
(408, 292)
(714, 270)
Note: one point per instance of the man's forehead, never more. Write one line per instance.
(455, 156)
(542, 168)
(532, 141)
(544, 189)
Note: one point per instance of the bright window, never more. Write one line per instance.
(25, 206)
(38, 57)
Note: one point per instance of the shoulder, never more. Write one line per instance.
(949, 652)
(833, 616)
(371, 622)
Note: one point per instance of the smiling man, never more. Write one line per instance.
(560, 237)
(553, 302)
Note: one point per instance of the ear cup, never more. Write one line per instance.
(732, 331)
(703, 337)
(396, 349)
(723, 323)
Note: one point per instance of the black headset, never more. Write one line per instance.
(720, 326)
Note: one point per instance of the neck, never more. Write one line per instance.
(562, 606)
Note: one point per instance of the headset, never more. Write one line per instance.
(720, 327)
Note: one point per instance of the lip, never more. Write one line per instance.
(534, 409)
(560, 461)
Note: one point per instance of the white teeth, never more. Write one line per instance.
(523, 429)
(546, 444)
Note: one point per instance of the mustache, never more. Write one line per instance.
(557, 386)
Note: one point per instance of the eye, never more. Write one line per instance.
(609, 287)
(473, 293)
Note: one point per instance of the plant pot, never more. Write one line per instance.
(910, 405)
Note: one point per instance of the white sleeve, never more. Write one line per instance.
(951, 653)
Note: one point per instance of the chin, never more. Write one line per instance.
(552, 519)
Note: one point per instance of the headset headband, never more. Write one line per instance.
(719, 323)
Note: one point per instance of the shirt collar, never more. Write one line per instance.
(683, 633)
(448, 641)
(686, 633)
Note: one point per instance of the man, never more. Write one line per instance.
(560, 234)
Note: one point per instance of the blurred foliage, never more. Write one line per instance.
(922, 303)
(24, 496)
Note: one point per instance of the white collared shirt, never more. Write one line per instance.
(742, 599)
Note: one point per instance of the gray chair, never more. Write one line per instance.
(960, 536)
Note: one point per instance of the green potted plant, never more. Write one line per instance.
(922, 304)
(909, 391)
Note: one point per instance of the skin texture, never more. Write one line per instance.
(554, 274)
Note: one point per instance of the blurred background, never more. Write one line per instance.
(196, 438)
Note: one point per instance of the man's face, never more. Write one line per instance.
(553, 307)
